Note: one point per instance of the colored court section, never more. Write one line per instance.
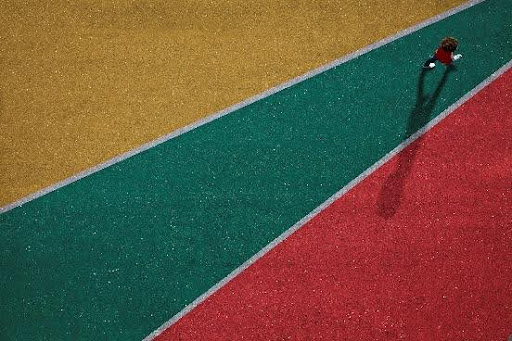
(420, 250)
(84, 81)
(116, 254)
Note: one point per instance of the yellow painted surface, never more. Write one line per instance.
(84, 81)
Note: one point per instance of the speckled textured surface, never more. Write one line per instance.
(116, 254)
(83, 81)
(439, 267)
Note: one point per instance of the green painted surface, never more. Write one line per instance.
(118, 253)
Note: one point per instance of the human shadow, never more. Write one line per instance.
(391, 192)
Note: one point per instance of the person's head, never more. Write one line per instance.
(449, 44)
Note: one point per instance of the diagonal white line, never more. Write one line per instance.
(235, 107)
(329, 201)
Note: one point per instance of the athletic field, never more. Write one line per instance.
(267, 170)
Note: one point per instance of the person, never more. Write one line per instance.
(444, 53)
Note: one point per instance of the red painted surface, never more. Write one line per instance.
(420, 250)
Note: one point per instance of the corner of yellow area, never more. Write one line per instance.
(84, 81)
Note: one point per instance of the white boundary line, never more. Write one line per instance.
(329, 201)
(237, 106)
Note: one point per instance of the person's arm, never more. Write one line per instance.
(456, 57)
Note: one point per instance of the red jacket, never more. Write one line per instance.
(444, 56)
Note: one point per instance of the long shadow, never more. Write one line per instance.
(392, 190)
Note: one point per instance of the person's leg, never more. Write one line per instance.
(431, 60)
